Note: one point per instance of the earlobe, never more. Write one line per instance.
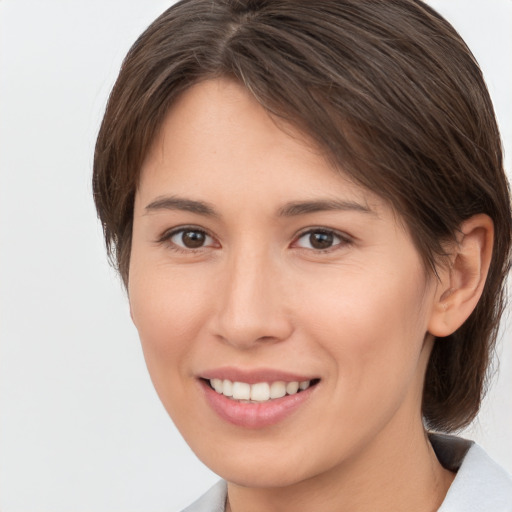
(462, 282)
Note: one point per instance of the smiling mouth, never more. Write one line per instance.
(260, 391)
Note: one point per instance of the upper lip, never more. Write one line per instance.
(253, 376)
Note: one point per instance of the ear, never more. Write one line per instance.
(462, 282)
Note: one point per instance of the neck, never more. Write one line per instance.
(395, 473)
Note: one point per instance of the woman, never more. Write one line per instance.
(307, 205)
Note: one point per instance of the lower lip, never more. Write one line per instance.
(254, 415)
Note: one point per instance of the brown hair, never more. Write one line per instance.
(387, 88)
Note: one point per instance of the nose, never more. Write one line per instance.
(252, 306)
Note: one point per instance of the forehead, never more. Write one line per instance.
(218, 138)
(221, 118)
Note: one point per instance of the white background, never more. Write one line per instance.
(81, 428)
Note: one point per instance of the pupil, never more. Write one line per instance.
(193, 239)
(321, 240)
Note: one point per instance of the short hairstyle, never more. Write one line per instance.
(387, 89)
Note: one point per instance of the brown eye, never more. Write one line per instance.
(191, 239)
(320, 239)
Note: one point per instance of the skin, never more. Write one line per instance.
(360, 315)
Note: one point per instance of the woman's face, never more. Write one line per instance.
(256, 267)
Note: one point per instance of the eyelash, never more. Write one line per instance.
(166, 238)
(343, 239)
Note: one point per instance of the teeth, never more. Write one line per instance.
(259, 392)
(292, 388)
(304, 385)
(277, 389)
(241, 391)
(217, 385)
(227, 388)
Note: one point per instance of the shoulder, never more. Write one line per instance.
(214, 500)
(480, 485)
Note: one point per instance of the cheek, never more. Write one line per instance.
(373, 340)
(373, 328)
(168, 310)
(168, 313)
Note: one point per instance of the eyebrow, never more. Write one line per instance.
(291, 209)
(304, 207)
(180, 203)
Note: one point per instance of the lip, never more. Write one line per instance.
(254, 376)
(254, 415)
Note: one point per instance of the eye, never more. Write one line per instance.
(190, 238)
(320, 240)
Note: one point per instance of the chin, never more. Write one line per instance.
(255, 476)
(261, 465)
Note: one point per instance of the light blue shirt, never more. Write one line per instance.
(480, 485)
